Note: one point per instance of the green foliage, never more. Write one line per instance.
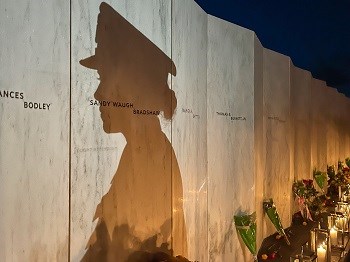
(304, 188)
(308, 195)
(320, 178)
(339, 178)
(246, 227)
(271, 211)
(347, 161)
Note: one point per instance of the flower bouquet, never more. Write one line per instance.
(271, 211)
(342, 179)
(308, 198)
(246, 228)
(338, 180)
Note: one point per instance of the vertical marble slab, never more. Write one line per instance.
(277, 174)
(34, 131)
(319, 122)
(331, 126)
(292, 127)
(189, 126)
(313, 125)
(336, 124)
(231, 156)
(347, 127)
(341, 127)
(108, 170)
(300, 92)
(259, 139)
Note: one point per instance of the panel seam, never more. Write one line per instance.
(70, 133)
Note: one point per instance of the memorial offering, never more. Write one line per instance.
(271, 211)
(246, 228)
(321, 243)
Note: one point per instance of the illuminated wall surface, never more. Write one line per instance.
(301, 125)
(231, 142)
(319, 112)
(277, 134)
(34, 132)
(137, 127)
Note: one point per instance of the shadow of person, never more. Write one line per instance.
(144, 201)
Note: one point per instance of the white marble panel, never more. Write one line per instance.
(259, 139)
(300, 119)
(347, 127)
(341, 126)
(336, 124)
(189, 126)
(121, 159)
(319, 121)
(34, 131)
(231, 156)
(331, 126)
(292, 125)
(277, 173)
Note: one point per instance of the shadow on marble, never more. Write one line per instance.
(145, 199)
(105, 249)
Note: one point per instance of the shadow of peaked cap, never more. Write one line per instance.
(120, 43)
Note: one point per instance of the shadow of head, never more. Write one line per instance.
(131, 68)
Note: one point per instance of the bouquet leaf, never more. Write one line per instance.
(320, 178)
(347, 161)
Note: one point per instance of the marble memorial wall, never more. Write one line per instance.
(331, 127)
(300, 113)
(344, 127)
(34, 131)
(336, 124)
(259, 138)
(314, 122)
(231, 135)
(278, 177)
(319, 123)
(347, 127)
(340, 124)
(122, 172)
(344, 144)
(346, 124)
(189, 127)
(144, 125)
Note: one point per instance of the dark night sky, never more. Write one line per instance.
(314, 34)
